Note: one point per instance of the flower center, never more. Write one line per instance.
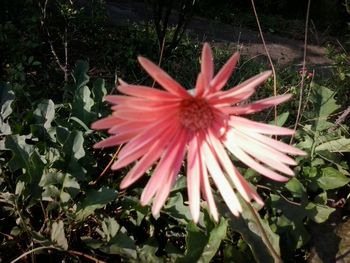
(195, 114)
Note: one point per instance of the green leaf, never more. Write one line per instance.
(20, 152)
(94, 200)
(175, 208)
(45, 113)
(80, 73)
(318, 212)
(57, 235)
(296, 188)
(281, 119)
(247, 226)
(6, 98)
(339, 145)
(201, 247)
(73, 146)
(332, 179)
(324, 105)
(82, 104)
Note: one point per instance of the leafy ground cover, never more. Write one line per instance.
(59, 203)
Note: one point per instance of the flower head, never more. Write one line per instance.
(161, 128)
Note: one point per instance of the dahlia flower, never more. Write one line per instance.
(161, 128)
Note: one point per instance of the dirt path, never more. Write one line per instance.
(284, 51)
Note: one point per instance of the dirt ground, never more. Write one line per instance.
(284, 51)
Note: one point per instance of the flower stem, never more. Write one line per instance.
(273, 252)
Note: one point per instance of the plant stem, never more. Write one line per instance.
(274, 254)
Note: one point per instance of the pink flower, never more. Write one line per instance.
(163, 127)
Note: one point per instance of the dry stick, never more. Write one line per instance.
(64, 67)
(72, 252)
(268, 56)
(161, 51)
(107, 166)
(303, 71)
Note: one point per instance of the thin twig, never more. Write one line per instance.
(303, 71)
(107, 166)
(268, 56)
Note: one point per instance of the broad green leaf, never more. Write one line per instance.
(80, 73)
(249, 228)
(339, 145)
(6, 98)
(318, 212)
(281, 119)
(94, 200)
(332, 179)
(175, 208)
(216, 235)
(57, 235)
(81, 106)
(73, 146)
(202, 247)
(20, 151)
(110, 228)
(45, 113)
(196, 240)
(296, 188)
(324, 105)
(147, 253)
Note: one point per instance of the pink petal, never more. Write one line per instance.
(220, 180)
(163, 192)
(164, 168)
(137, 115)
(106, 123)
(151, 156)
(119, 99)
(204, 180)
(259, 148)
(247, 86)
(257, 105)
(242, 186)
(199, 86)
(228, 101)
(252, 126)
(147, 93)
(225, 72)
(207, 66)
(278, 145)
(163, 78)
(115, 140)
(193, 179)
(139, 145)
(245, 158)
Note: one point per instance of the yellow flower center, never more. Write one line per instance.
(195, 114)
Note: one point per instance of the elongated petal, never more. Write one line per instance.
(257, 105)
(220, 180)
(242, 186)
(163, 192)
(246, 86)
(252, 126)
(207, 66)
(225, 72)
(278, 145)
(147, 93)
(245, 158)
(193, 178)
(106, 123)
(115, 140)
(204, 179)
(163, 170)
(163, 78)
